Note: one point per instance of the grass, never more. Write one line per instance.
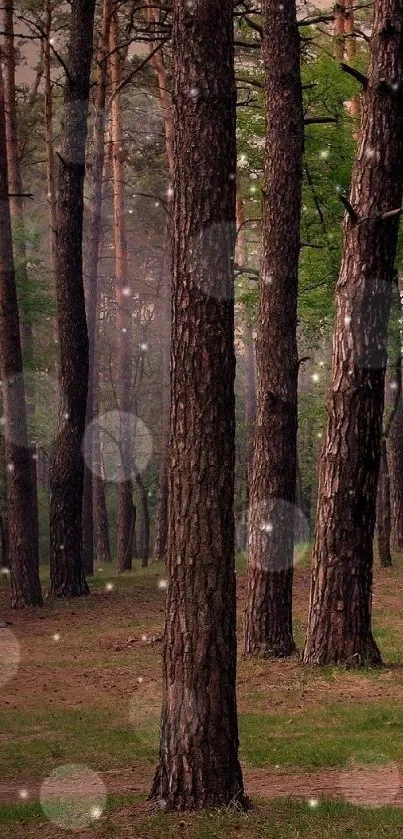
(325, 738)
(281, 819)
(81, 701)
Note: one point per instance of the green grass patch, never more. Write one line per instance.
(322, 738)
(36, 743)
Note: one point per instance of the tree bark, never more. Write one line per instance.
(66, 476)
(127, 511)
(20, 492)
(268, 626)
(396, 470)
(383, 510)
(50, 157)
(198, 765)
(161, 513)
(339, 623)
(92, 296)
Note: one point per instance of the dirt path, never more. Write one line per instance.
(371, 787)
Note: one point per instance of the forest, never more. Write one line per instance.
(201, 419)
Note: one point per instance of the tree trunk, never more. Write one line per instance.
(396, 471)
(66, 476)
(15, 188)
(268, 628)
(338, 30)
(383, 511)
(92, 292)
(198, 764)
(50, 157)
(127, 512)
(22, 521)
(161, 512)
(339, 623)
(145, 522)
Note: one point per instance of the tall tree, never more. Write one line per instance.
(22, 540)
(94, 487)
(127, 512)
(158, 63)
(15, 187)
(339, 624)
(66, 475)
(268, 628)
(198, 763)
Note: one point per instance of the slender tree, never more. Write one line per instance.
(339, 624)
(15, 186)
(198, 764)
(268, 628)
(22, 541)
(127, 512)
(66, 475)
(158, 63)
(93, 485)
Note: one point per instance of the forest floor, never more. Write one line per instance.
(321, 749)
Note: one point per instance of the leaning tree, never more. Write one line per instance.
(198, 762)
(339, 625)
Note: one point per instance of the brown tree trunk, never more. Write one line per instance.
(127, 512)
(198, 764)
(92, 292)
(338, 29)
(15, 188)
(396, 469)
(144, 540)
(50, 157)
(20, 492)
(383, 510)
(268, 627)
(339, 623)
(66, 476)
(161, 513)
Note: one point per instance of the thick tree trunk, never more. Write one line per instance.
(268, 628)
(127, 512)
(92, 292)
(20, 492)
(66, 476)
(199, 764)
(339, 624)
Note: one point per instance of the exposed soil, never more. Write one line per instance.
(97, 650)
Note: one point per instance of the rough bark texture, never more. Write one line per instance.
(92, 293)
(20, 492)
(199, 764)
(268, 627)
(339, 624)
(66, 476)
